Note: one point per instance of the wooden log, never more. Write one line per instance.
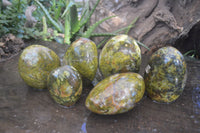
(161, 22)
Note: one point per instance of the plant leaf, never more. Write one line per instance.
(102, 42)
(44, 28)
(131, 25)
(103, 34)
(142, 44)
(71, 3)
(89, 31)
(89, 16)
(67, 36)
(74, 19)
(127, 28)
(85, 11)
(57, 10)
(5, 21)
(61, 26)
(189, 52)
(49, 17)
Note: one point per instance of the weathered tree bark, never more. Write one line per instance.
(160, 22)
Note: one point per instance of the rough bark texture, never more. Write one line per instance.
(160, 22)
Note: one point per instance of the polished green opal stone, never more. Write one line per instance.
(35, 64)
(116, 94)
(120, 54)
(65, 85)
(165, 75)
(82, 54)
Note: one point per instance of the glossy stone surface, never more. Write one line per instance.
(35, 64)
(120, 54)
(116, 94)
(65, 85)
(165, 75)
(82, 54)
(24, 110)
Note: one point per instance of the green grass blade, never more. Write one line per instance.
(143, 45)
(102, 42)
(121, 29)
(85, 11)
(82, 16)
(49, 17)
(103, 34)
(88, 33)
(71, 3)
(89, 16)
(131, 25)
(189, 52)
(127, 28)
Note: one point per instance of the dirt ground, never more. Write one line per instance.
(10, 46)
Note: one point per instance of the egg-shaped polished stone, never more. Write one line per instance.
(65, 85)
(116, 94)
(82, 54)
(165, 75)
(120, 54)
(35, 64)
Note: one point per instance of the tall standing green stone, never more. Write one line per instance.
(165, 75)
(82, 55)
(120, 54)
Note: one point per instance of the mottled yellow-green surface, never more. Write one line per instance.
(82, 54)
(65, 85)
(165, 76)
(35, 64)
(116, 94)
(120, 54)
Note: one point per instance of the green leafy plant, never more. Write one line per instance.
(74, 26)
(68, 20)
(12, 18)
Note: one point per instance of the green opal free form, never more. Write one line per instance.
(82, 54)
(35, 64)
(165, 75)
(65, 85)
(120, 54)
(116, 94)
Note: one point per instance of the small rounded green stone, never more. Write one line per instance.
(82, 54)
(65, 85)
(120, 54)
(165, 75)
(35, 64)
(116, 94)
